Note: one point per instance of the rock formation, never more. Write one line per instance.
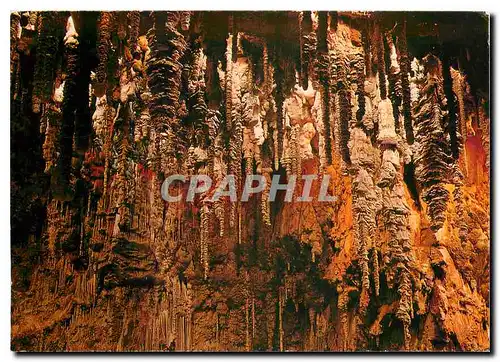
(389, 107)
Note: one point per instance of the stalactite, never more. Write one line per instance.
(248, 148)
(82, 116)
(123, 180)
(453, 125)
(194, 79)
(360, 67)
(458, 199)
(301, 70)
(484, 125)
(333, 20)
(105, 24)
(233, 29)
(111, 117)
(52, 115)
(376, 272)
(134, 19)
(270, 305)
(295, 151)
(280, 318)
(53, 225)
(185, 20)
(33, 20)
(267, 100)
(121, 25)
(381, 61)
(265, 209)
(213, 82)
(394, 78)
(345, 66)
(204, 237)
(220, 169)
(247, 323)
(394, 216)
(51, 34)
(213, 121)
(343, 300)
(211, 100)
(365, 217)
(432, 158)
(61, 175)
(405, 84)
(367, 46)
(365, 204)
(322, 72)
(242, 111)
(279, 99)
(15, 32)
(345, 117)
(404, 306)
(458, 88)
(307, 47)
(142, 121)
(253, 318)
(291, 159)
(28, 32)
(322, 31)
(286, 159)
(229, 80)
(164, 71)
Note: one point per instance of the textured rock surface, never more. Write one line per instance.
(399, 261)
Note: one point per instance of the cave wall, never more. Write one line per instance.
(393, 107)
